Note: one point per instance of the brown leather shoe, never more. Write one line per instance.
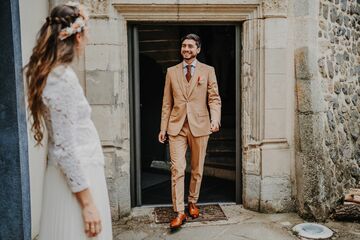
(178, 221)
(193, 210)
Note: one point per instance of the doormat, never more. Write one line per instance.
(211, 212)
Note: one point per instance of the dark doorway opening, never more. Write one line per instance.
(157, 47)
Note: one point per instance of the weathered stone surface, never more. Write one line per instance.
(321, 64)
(251, 191)
(278, 200)
(312, 133)
(309, 100)
(354, 130)
(331, 120)
(275, 7)
(325, 11)
(340, 19)
(333, 14)
(100, 87)
(252, 161)
(97, 7)
(304, 68)
(339, 59)
(330, 69)
(343, 5)
(342, 131)
(347, 21)
(354, 99)
(118, 180)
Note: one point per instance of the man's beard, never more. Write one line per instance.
(190, 56)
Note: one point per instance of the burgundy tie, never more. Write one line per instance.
(188, 73)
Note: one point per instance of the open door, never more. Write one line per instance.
(155, 47)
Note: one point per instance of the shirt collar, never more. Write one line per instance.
(193, 64)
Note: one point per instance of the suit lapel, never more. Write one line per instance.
(194, 79)
(179, 78)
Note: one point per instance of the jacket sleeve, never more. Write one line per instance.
(167, 103)
(214, 100)
(60, 98)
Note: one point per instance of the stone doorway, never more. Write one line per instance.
(266, 144)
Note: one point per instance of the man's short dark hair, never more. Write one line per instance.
(192, 36)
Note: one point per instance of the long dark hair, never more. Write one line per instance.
(48, 52)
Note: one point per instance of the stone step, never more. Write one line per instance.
(221, 146)
(221, 160)
(231, 165)
(223, 134)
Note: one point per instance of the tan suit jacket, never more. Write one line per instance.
(193, 102)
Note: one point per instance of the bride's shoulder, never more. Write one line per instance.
(61, 74)
(61, 78)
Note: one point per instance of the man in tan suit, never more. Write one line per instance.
(190, 90)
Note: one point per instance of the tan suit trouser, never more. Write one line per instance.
(178, 147)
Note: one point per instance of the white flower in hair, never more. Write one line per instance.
(75, 27)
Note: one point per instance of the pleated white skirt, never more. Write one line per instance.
(61, 217)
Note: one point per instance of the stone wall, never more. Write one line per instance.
(327, 86)
(339, 68)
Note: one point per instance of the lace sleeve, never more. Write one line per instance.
(60, 97)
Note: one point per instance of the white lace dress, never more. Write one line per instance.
(75, 160)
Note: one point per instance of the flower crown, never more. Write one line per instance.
(75, 27)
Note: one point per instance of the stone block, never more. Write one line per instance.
(276, 163)
(301, 8)
(275, 61)
(276, 33)
(275, 123)
(309, 96)
(103, 31)
(107, 121)
(97, 8)
(312, 133)
(306, 32)
(275, 91)
(100, 87)
(102, 57)
(251, 192)
(276, 195)
(124, 195)
(117, 171)
(306, 8)
(275, 8)
(252, 161)
(305, 63)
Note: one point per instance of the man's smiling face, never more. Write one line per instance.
(189, 49)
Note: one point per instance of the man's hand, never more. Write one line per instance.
(214, 126)
(162, 136)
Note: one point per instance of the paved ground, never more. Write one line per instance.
(241, 225)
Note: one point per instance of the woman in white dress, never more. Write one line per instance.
(75, 198)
